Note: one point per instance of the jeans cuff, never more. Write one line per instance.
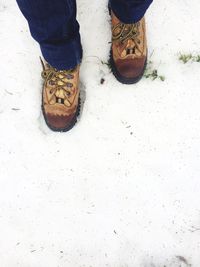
(63, 56)
(125, 13)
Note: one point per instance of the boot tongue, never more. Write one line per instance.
(115, 20)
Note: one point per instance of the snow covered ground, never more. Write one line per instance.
(122, 189)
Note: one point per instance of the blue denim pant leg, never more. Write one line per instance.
(54, 26)
(130, 11)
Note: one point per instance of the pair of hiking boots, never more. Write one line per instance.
(61, 93)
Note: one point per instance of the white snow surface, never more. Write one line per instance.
(122, 188)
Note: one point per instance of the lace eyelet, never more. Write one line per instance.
(51, 82)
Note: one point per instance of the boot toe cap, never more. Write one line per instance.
(131, 68)
(60, 122)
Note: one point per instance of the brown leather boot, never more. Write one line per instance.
(60, 97)
(129, 50)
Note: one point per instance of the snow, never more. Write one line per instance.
(121, 189)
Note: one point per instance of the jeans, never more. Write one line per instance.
(54, 26)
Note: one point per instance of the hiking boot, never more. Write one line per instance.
(60, 97)
(129, 50)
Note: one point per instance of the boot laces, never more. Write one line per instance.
(61, 80)
(125, 32)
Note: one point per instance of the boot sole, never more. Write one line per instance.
(72, 123)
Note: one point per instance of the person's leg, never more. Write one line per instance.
(53, 25)
(130, 11)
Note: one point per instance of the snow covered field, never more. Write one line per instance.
(122, 189)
